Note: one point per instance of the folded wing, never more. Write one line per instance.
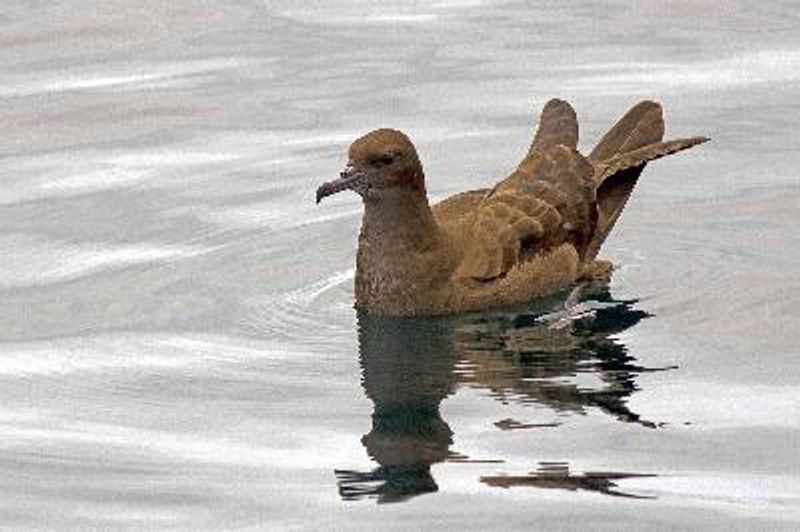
(547, 202)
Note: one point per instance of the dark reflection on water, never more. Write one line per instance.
(408, 366)
(529, 356)
(556, 475)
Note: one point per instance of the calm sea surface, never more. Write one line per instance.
(178, 348)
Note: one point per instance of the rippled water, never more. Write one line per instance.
(178, 348)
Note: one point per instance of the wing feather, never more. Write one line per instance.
(548, 201)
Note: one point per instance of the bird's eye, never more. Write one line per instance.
(384, 159)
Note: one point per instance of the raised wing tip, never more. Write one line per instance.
(698, 139)
(690, 142)
(648, 153)
(674, 145)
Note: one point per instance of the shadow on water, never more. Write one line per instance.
(534, 355)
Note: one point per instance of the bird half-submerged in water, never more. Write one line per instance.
(535, 232)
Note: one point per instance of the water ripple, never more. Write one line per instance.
(124, 352)
(165, 74)
(313, 315)
(33, 261)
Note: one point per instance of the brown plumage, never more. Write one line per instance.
(535, 232)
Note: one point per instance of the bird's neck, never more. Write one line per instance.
(399, 221)
(402, 254)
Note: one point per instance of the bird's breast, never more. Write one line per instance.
(401, 279)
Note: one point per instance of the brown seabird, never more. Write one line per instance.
(535, 232)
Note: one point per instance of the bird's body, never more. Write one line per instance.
(535, 232)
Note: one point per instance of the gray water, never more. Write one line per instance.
(178, 345)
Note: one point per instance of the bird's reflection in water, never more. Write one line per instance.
(535, 355)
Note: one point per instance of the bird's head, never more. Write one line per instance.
(380, 161)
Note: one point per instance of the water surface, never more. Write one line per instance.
(178, 348)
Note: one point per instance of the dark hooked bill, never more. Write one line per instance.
(350, 179)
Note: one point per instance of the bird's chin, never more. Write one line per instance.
(362, 189)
